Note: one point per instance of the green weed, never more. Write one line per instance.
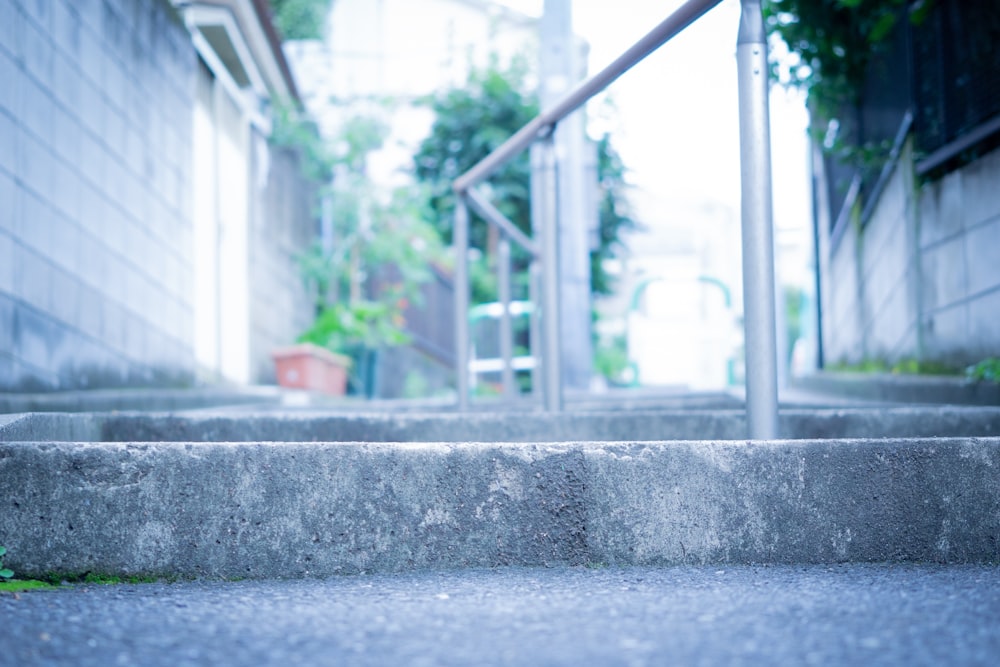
(987, 369)
(18, 586)
(901, 367)
(5, 573)
(9, 585)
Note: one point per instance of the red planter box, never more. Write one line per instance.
(308, 366)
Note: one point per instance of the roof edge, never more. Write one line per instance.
(264, 16)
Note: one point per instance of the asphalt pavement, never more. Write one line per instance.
(857, 614)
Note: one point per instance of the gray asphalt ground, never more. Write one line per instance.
(719, 615)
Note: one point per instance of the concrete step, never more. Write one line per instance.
(281, 508)
(901, 388)
(618, 425)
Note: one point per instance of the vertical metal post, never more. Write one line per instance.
(461, 300)
(561, 66)
(535, 332)
(538, 180)
(506, 329)
(550, 279)
(758, 236)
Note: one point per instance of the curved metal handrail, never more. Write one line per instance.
(670, 27)
(757, 233)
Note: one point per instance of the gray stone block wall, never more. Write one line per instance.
(888, 254)
(960, 245)
(841, 314)
(922, 278)
(95, 223)
(283, 223)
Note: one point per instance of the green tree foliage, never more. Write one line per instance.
(378, 237)
(474, 119)
(614, 214)
(834, 41)
(300, 19)
(471, 121)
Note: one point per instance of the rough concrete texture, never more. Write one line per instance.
(811, 501)
(56, 427)
(262, 398)
(263, 510)
(273, 510)
(901, 388)
(161, 400)
(938, 421)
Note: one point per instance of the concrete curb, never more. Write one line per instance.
(925, 421)
(267, 509)
(901, 388)
(262, 398)
(94, 400)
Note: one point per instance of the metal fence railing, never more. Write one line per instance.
(935, 81)
(956, 78)
(757, 233)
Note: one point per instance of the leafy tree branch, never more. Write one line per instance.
(471, 121)
(300, 19)
(833, 42)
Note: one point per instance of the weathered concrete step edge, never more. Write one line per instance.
(924, 421)
(901, 388)
(264, 510)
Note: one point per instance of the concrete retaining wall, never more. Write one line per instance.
(920, 279)
(300, 509)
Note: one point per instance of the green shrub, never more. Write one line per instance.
(987, 369)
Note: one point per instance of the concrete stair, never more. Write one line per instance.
(276, 492)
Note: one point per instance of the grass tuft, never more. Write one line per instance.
(17, 586)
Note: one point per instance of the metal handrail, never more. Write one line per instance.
(492, 215)
(757, 232)
(671, 26)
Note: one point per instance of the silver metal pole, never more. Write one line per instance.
(550, 279)
(506, 329)
(479, 204)
(538, 180)
(461, 301)
(535, 333)
(758, 236)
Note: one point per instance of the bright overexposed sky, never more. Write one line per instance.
(676, 123)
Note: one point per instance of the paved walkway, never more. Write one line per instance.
(742, 615)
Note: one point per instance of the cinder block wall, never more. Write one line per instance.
(921, 280)
(95, 227)
(282, 225)
(960, 263)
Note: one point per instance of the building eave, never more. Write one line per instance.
(262, 53)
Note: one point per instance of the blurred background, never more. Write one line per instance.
(197, 192)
